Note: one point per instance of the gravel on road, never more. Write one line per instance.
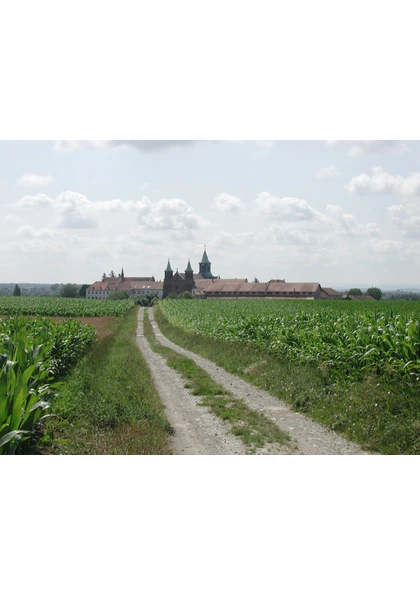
(197, 431)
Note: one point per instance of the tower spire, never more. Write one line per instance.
(205, 265)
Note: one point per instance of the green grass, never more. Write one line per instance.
(198, 381)
(253, 428)
(109, 404)
(380, 415)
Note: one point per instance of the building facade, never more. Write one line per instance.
(205, 285)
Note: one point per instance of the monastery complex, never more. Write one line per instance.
(207, 286)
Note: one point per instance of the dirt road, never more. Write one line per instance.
(197, 431)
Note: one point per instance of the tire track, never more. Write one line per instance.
(310, 437)
(196, 430)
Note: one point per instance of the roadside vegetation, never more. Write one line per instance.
(75, 386)
(353, 366)
(252, 427)
(34, 356)
(109, 404)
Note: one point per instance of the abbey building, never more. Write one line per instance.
(205, 285)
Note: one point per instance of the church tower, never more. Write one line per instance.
(205, 266)
(169, 272)
(189, 272)
(189, 278)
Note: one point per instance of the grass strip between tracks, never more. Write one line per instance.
(253, 428)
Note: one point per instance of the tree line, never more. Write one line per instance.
(374, 292)
(69, 290)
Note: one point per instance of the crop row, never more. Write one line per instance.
(34, 356)
(67, 308)
(345, 337)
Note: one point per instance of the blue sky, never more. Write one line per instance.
(343, 213)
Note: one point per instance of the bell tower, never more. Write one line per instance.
(169, 272)
(189, 272)
(205, 266)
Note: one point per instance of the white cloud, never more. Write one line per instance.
(386, 247)
(330, 171)
(228, 203)
(406, 215)
(141, 145)
(298, 223)
(28, 232)
(12, 219)
(166, 214)
(356, 148)
(71, 145)
(407, 218)
(282, 234)
(287, 209)
(348, 223)
(36, 202)
(76, 211)
(223, 239)
(264, 143)
(29, 179)
(381, 182)
(72, 208)
(151, 145)
(38, 245)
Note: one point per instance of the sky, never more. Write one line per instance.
(344, 213)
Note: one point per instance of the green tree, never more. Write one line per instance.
(82, 291)
(143, 301)
(355, 292)
(17, 292)
(118, 295)
(375, 293)
(70, 291)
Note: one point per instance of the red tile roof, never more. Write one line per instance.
(291, 288)
(142, 286)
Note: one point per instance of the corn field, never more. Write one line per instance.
(347, 338)
(34, 356)
(67, 308)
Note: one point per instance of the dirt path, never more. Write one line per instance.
(199, 432)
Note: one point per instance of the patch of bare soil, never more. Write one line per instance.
(308, 437)
(102, 325)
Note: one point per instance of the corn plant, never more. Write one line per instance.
(347, 338)
(33, 355)
(68, 308)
